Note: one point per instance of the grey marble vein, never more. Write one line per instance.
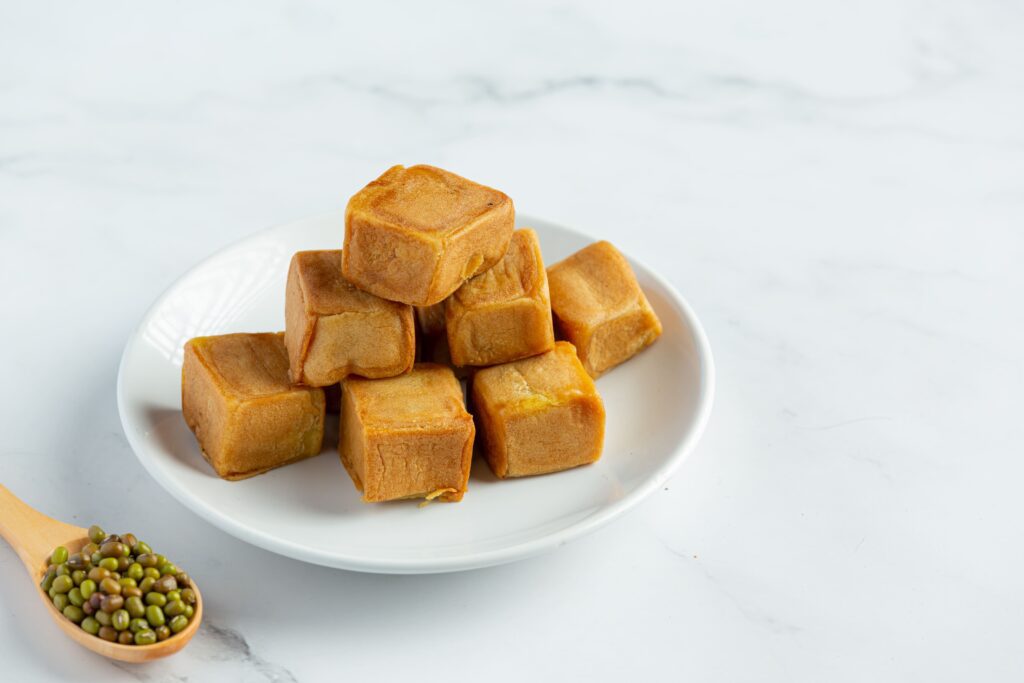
(230, 645)
(750, 612)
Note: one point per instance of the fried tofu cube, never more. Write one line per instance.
(504, 313)
(538, 415)
(407, 436)
(430, 318)
(247, 416)
(333, 329)
(599, 307)
(416, 234)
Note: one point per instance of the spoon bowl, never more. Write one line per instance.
(33, 536)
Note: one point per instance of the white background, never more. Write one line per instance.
(837, 188)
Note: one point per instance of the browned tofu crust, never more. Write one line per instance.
(504, 313)
(416, 234)
(538, 415)
(333, 329)
(599, 307)
(408, 436)
(237, 399)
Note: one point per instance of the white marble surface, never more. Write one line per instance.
(837, 188)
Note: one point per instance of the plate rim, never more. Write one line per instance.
(462, 562)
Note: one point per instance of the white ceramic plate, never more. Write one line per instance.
(657, 406)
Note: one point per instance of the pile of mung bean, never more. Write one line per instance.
(118, 589)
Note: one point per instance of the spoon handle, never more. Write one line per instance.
(32, 534)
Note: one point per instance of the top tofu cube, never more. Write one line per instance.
(599, 307)
(504, 313)
(416, 234)
(333, 329)
(247, 416)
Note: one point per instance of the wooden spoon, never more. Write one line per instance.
(34, 536)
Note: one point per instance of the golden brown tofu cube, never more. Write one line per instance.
(430, 318)
(504, 313)
(333, 329)
(538, 415)
(600, 308)
(407, 436)
(247, 416)
(416, 234)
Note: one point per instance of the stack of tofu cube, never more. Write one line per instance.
(432, 268)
